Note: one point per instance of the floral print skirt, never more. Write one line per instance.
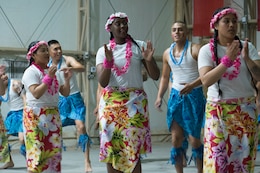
(4, 148)
(42, 128)
(230, 136)
(124, 127)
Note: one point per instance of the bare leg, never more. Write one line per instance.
(177, 139)
(81, 131)
(21, 137)
(88, 167)
(110, 169)
(196, 143)
(138, 167)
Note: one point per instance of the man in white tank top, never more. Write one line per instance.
(186, 102)
(72, 108)
(15, 94)
(5, 155)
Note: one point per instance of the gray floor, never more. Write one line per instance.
(72, 162)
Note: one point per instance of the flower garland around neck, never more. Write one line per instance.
(236, 64)
(53, 87)
(119, 71)
(174, 60)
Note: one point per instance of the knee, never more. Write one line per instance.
(80, 126)
(195, 143)
(177, 141)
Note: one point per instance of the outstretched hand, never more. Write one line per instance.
(233, 49)
(186, 89)
(67, 73)
(148, 52)
(52, 70)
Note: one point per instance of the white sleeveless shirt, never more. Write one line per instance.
(186, 71)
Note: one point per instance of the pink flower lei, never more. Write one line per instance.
(123, 70)
(236, 64)
(53, 88)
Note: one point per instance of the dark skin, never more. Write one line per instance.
(119, 29)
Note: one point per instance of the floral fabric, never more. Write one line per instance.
(230, 138)
(124, 127)
(42, 127)
(4, 149)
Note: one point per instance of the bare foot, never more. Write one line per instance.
(8, 165)
(88, 167)
(184, 162)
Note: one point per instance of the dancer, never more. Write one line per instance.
(186, 104)
(41, 119)
(15, 95)
(5, 155)
(72, 108)
(123, 107)
(228, 67)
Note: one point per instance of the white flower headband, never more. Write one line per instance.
(34, 48)
(220, 14)
(112, 18)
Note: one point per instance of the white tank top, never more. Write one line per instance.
(73, 80)
(15, 101)
(186, 71)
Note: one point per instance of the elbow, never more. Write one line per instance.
(156, 75)
(37, 96)
(103, 84)
(205, 83)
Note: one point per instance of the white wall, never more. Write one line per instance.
(149, 20)
(28, 20)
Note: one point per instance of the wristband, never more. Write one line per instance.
(108, 64)
(226, 61)
(47, 80)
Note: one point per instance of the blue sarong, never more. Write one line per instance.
(72, 108)
(187, 110)
(14, 122)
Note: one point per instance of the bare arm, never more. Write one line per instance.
(65, 89)
(103, 74)
(149, 62)
(98, 95)
(38, 90)
(210, 75)
(74, 64)
(253, 66)
(164, 81)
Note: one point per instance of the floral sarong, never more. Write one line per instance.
(230, 137)
(42, 127)
(124, 127)
(4, 148)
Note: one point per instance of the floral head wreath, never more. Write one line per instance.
(220, 14)
(112, 18)
(34, 48)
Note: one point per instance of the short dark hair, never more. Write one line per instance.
(53, 42)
